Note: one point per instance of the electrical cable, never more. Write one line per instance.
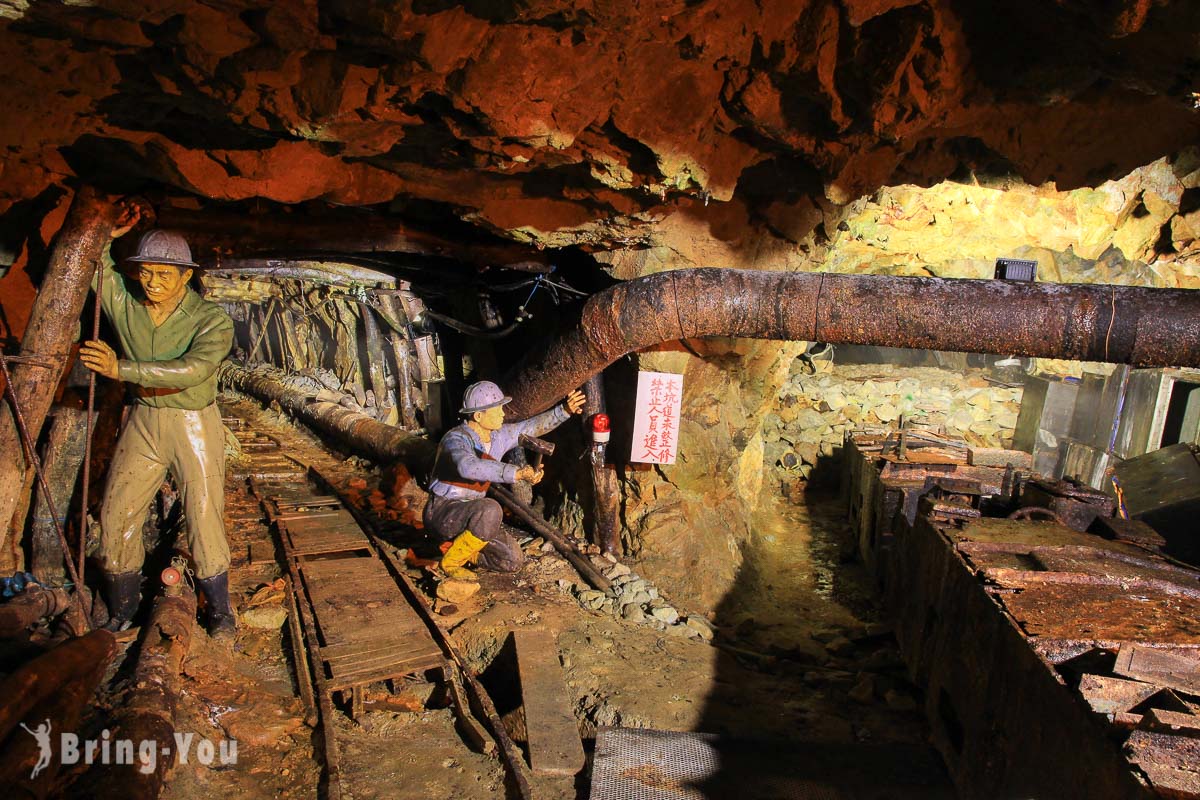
(471, 330)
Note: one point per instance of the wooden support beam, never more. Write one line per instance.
(606, 501)
(374, 341)
(55, 687)
(53, 326)
(402, 361)
(148, 713)
(62, 457)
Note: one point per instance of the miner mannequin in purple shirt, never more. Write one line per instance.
(468, 461)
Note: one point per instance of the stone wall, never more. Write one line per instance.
(815, 411)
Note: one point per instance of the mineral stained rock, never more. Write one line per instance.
(581, 122)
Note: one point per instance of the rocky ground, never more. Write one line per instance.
(795, 655)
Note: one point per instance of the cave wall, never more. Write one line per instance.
(588, 123)
(646, 135)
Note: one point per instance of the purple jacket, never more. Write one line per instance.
(460, 455)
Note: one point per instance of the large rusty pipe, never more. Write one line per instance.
(371, 438)
(1118, 324)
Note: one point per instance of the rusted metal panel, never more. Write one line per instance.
(999, 457)
(1108, 695)
(1001, 716)
(1187, 724)
(1082, 611)
(1077, 506)
(1177, 670)
(1168, 761)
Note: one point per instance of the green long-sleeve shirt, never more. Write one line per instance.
(172, 365)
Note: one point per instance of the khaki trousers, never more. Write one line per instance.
(191, 444)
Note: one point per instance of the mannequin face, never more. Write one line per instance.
(489, 419)
(164, 284)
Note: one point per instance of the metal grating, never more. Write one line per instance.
(642, 764)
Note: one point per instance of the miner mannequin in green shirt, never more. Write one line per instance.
(172, 342)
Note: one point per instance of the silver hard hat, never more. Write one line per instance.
(482, 396)
(163, 247)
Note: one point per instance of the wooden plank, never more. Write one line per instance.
(325, 546)
(339, 570)
(293, 514)
(381, 660)
(340, 521)
(553, 734)
(306, 500)
(399, 669)
(401, 652)
(350, 626)
(273, 472)
(262, 552)
(340, 652)
(302, 538)
(319, 526)
(312, 533)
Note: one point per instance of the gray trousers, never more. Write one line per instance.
(446, 519)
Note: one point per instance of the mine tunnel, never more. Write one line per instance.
(668, 400)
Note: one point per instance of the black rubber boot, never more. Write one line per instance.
(222, 622)
(121, 592)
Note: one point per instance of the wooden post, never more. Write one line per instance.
(374, 342)
(605, 500)
(404, 386)
(264, 321)
(53, 325)
(61, 459)
(401, 357)
(347, 363)
(287, 324)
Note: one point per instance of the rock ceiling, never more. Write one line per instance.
(589, 122)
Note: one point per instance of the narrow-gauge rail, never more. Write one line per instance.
(355, 619)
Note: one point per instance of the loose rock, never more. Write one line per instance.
(665, 614)
(456, 591)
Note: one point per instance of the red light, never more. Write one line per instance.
(170, 576)
(600, 423)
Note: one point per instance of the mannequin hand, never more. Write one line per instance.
(528, 473)
(132, 210)
(575, 401)
(99, 358)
